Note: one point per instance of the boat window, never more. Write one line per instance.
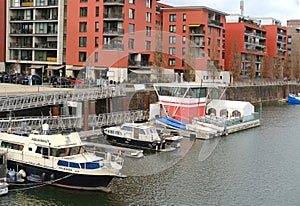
(117, 133)
(42, 150)
(74, 165)
(63, 152)
(2, 160)
(142, 131)
(236, 113)
(224, 113)
(74, 151)
(126, 128)
(14, 146)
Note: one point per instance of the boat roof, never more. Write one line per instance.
(189, 84)
(138, 125)
(246, 108)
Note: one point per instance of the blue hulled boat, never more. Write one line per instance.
(293, 99)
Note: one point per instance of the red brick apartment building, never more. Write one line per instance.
(193, 35)
(110, 34)
(2, 34)
(256, 40)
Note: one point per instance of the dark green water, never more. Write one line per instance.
(260, 166)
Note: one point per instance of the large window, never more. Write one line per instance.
(96, 57)
(171, 62)
(131, 1)
(172, 18)
(97, 11)
(131, 28)
(82, 56)
(96, 26)
(130, 43)
(96, 42)
(148, 3)
(82, 26)
(148, 31)
(172, 50)
(172, 39)
(148, 45)
(82, 41)
(131, 13)
(83, 11)
(172, 28)
(148, 17)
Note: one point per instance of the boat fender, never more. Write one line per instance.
(108, 157)
(22, 173)
(43, 176)
(11, 176)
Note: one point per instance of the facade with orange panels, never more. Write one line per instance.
(193, 35)
(111, 34)
(254, 41)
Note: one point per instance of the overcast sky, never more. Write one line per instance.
(279, 9)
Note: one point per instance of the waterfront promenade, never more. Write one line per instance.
(8, 89)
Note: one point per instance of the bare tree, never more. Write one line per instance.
(252, 73)
(265, 67)
(158, 60)
(296, 64)
(214, 56)
(235, 62)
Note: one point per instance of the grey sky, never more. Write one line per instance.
(279, 9)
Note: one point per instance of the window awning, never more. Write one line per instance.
(54, 67)
(141, 71)
(75, 68)
(194, 25)
(35, 66)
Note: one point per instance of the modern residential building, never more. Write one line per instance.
(35, 36)
(254, 39)
(2, 34)
(193, 37)
(111, 37)
(293, 27)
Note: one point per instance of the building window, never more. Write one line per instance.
(96, 57)
(148, 31)
(218, 32)
(172, 28)
(184, 28)
(148, 17)
(82, 26)
(96, 26)
(97, 11)
(209, 30)
(82, 41)
(172, 40)
(131, 13)
(83, 0)
(131, 1)
(183, 51)
(172, 17)
(131, 28)
(148, 45)
(183, 40)
(82, 56)
(148, 3)
(130, 43)
(171, 62)
(184, 17)
(83, 11)
(96, 42)
(172, 50)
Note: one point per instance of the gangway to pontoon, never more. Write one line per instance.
(70, 122)
(28, 101)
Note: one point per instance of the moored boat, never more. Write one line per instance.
(139, 135)
(293, 99)
(57, 157)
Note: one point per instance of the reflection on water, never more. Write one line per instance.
(260, 166)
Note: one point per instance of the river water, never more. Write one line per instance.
(260, 166)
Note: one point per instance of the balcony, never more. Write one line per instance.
(196, 32)
(113, 31)
(113, 2)
(212, 22)
(114, 16)
(18, 45)
(138, 64)
(118, 47)
(197, 44)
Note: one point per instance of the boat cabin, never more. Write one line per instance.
(181, 101)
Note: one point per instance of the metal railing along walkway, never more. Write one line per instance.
(116, 118)
(53, 98)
